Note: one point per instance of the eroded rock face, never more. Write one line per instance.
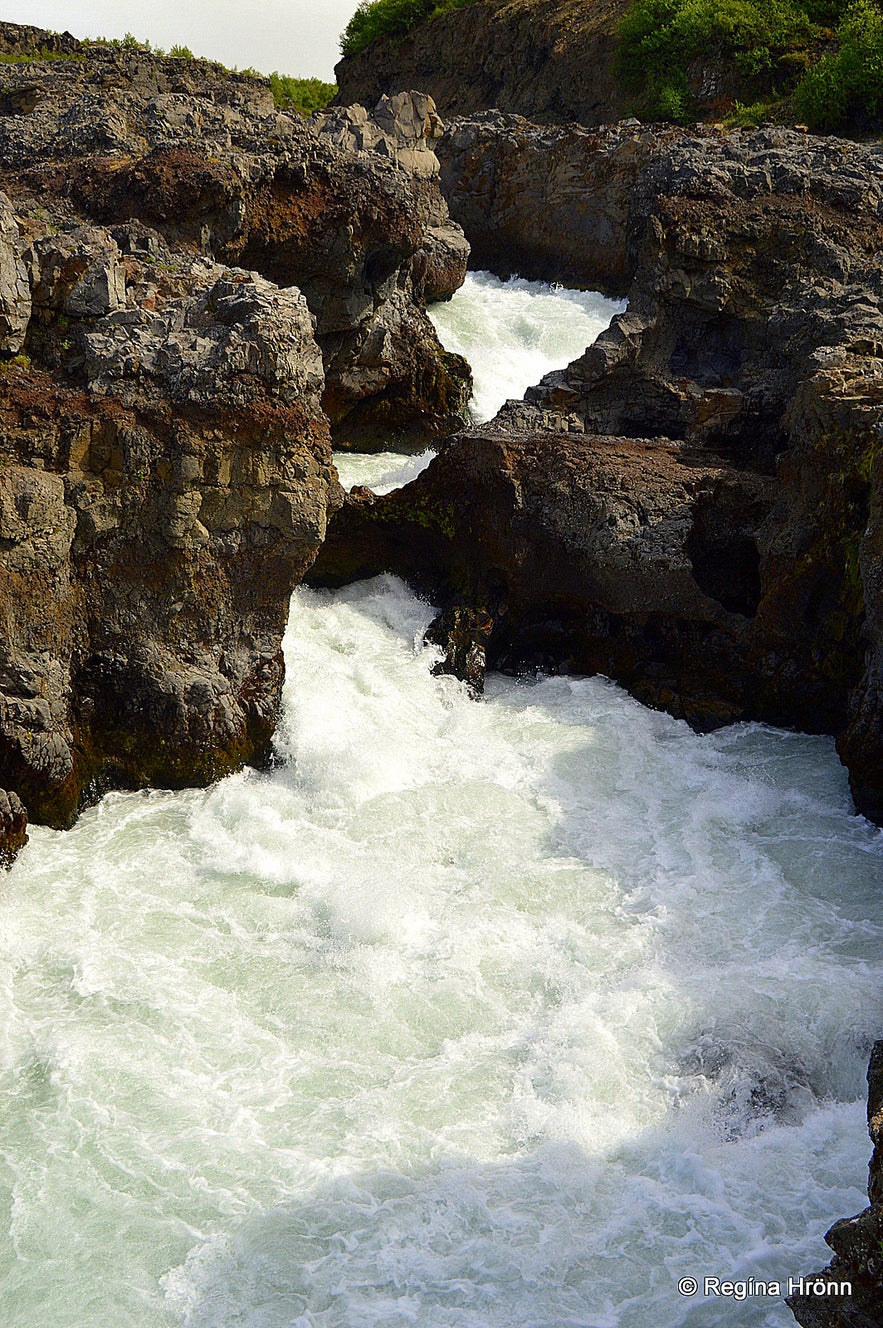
(580, 550)
(857, 1242)
(151, 532)
(206, 160)
(692, 506)
(201, 288)
(551, 60)
(15, 291)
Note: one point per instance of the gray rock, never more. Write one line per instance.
(15, 293)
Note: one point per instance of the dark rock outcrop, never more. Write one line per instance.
(857, 1242)
(550, 202)
(13, 827)
(578, 549)
(168, 389)
(205, 158)
(551, 60)
(692, 507)
(151, 531)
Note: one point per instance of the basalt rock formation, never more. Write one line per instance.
(203, 156)
(693, 506)
(550, 60)
(196, 291)
(857, 1242)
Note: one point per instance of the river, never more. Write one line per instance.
(466, 1015)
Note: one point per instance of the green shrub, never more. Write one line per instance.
(761, 42)
(181, 53)
(846, 87)
(390, 18)
(301, 94)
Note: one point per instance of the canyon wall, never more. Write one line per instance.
(198, 293)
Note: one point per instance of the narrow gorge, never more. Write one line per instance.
(441, 700)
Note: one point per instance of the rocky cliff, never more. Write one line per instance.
(196, 293)
(550, 60)
(692, 507)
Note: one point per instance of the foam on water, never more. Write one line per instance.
(499, 1015)
(513, 332)
(484, 1015)
(381, 471)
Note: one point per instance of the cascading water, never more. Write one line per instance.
(511, 332)
(498, 1015)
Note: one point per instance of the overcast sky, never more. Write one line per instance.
(293, 36)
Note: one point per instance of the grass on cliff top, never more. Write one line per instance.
(821, 58)
(391, 18)
(303, 95)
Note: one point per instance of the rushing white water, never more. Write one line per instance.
(498, 1015)
(381, 471)
(513, 332)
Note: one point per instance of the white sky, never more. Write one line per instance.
(299, 37)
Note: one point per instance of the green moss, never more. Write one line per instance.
(391, 18)
(38, 54)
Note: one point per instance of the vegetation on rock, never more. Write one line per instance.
(821, 60)
(846, 85)
(390, 18)
(301, 94)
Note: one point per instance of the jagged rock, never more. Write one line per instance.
(15, 291)
(857, 1242)
(203, 349)
(463, 635)
(79, 275)
(391, 353)
(404, 128)
(13, 827)
(206, 160)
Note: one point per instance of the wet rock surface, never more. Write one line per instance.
(692, 507)
(13, 827)
(857, 1243)
(195, 291)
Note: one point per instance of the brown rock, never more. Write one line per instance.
(13, 827)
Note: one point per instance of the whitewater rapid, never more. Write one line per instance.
(512, 333)
(497, 1015)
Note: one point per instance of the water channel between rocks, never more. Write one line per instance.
(498, 1015)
